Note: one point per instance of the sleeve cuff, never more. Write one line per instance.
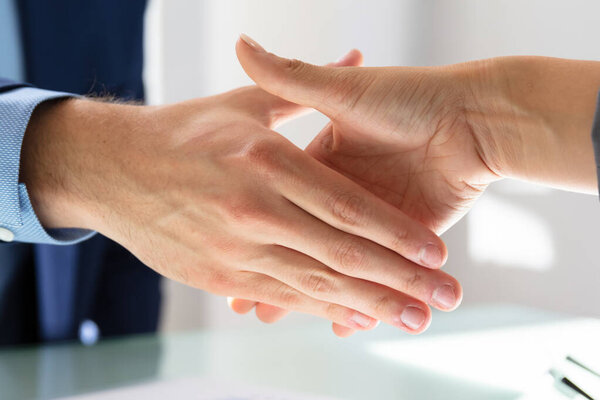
(17, 216)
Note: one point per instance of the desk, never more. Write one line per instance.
(308, 359)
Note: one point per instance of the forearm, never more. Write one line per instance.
(533, 116)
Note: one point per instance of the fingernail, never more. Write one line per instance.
(377, 323)
(431, 256)
(252, 43)
(342, 58)
(413, 317)
(444, 297)
(361, 320)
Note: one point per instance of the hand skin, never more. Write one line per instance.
(429, 140)
(205, 193)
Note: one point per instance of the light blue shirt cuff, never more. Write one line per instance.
(17, 215)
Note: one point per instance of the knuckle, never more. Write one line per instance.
(347, 208)
(295, 66)
(319, 282)
(264, 155)
(288, 298)
(413, 282)
(350, 255)
(382, 304)
(246, 212)
(399, 238)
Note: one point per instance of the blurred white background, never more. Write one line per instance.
(520, 244)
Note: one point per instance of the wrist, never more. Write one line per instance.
(42, 158)
(532, 118)
(498, 124)
(65, 145)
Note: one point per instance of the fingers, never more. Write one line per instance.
(440, 289)
(331, 90)
(353, 58)
(349, 207)
(259, 288)
(319, 282)
(356, 257)
(342, 331)
(240, 306)
(322, 144)
(265, 312)
(272, 110)
(270, 314)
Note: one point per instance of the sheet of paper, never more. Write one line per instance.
(196, 389)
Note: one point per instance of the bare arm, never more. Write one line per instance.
(429, 140)
(533, 118)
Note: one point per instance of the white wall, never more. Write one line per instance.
(567, 224)
(190, 52)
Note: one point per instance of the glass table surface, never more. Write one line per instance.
(467, 354)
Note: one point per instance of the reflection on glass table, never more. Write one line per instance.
(487, 352)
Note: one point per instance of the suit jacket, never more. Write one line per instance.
(82, 47)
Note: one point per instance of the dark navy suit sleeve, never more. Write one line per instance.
(7, 84)
(84, 47)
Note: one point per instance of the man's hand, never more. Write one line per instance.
(206, 193)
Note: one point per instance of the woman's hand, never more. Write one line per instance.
(401, 133)
(430, 140)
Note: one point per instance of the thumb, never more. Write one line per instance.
(329, 89)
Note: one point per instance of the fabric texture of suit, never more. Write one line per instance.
(82, 47)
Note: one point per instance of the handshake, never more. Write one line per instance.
(206, 193)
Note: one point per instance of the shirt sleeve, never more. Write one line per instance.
(18, 221)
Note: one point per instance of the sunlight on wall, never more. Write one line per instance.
(500, 232)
